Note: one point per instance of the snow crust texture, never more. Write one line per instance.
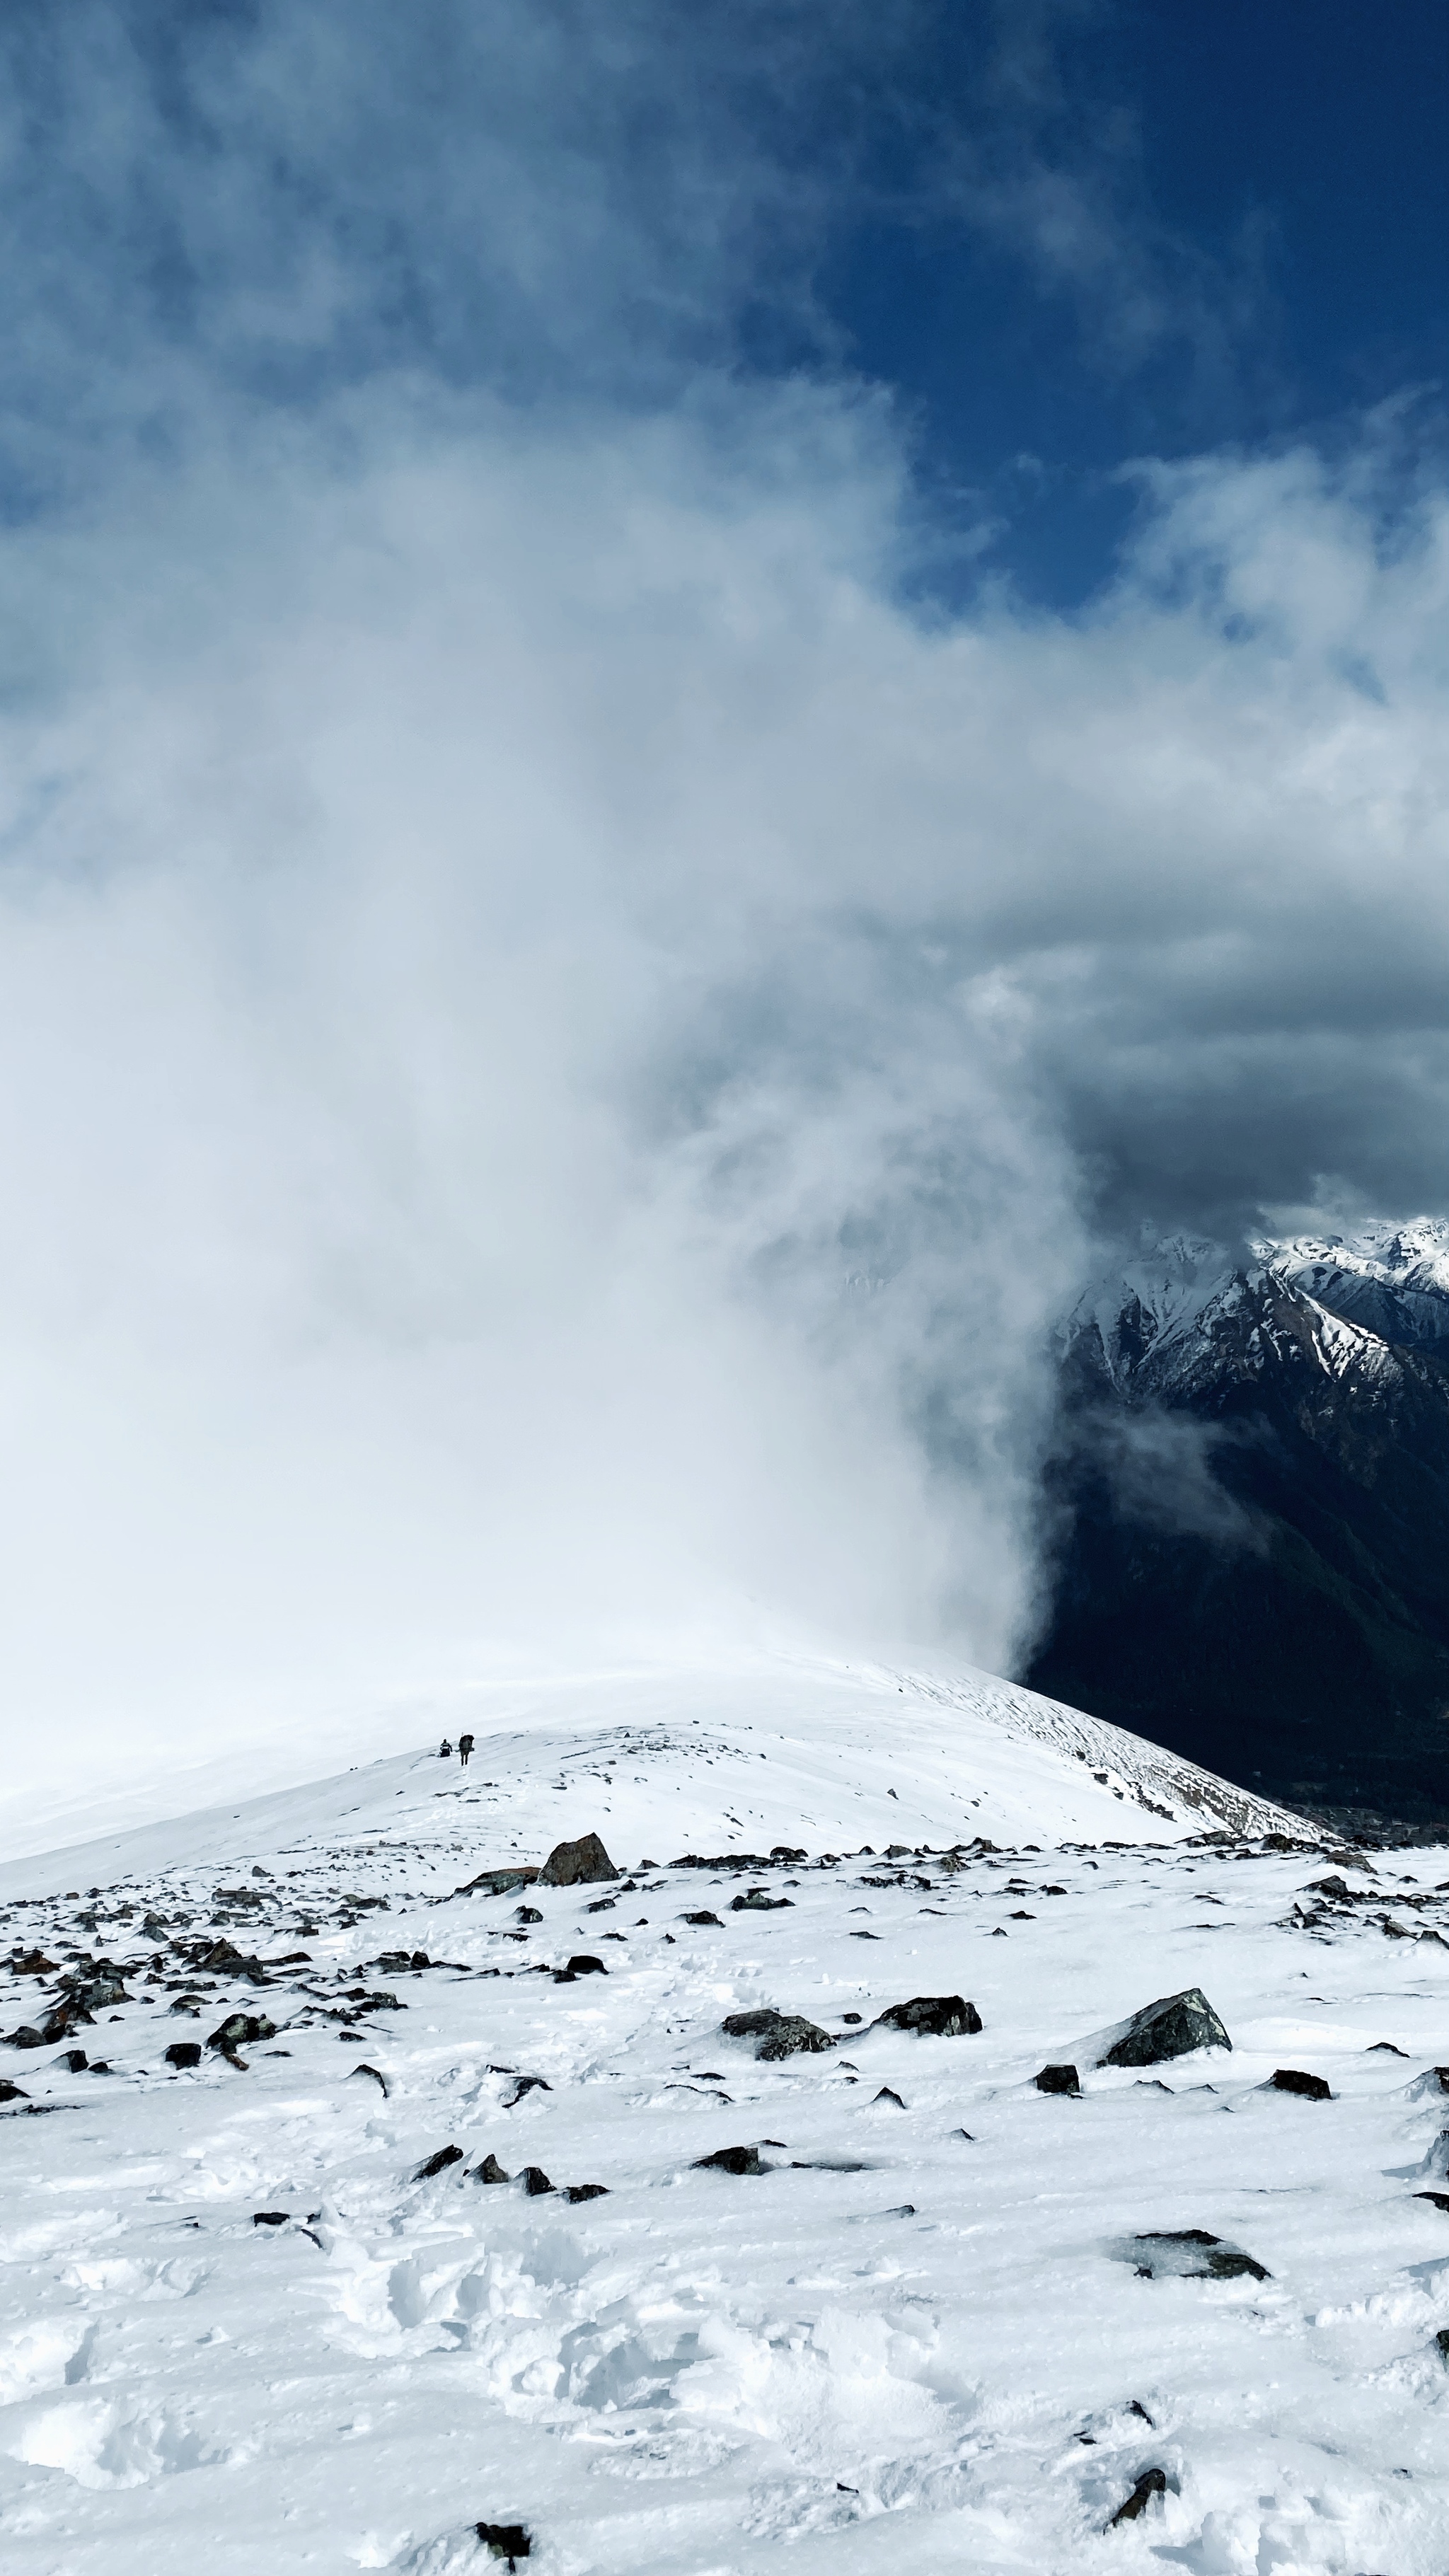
(256, 2316)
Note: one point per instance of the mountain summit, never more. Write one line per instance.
(1250, 1501)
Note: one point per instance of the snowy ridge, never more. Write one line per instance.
(851, 1753)
(1391, 1279)
(264, 2312)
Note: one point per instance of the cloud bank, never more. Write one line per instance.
(562, 1041)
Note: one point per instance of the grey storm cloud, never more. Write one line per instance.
(563, 1043)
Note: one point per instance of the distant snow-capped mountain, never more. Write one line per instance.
(1251, 1510)
(1178, 1314)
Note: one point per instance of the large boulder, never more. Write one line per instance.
(1172, 2027)
(1191, 2254)
(935, 2016)
(498, 1882)
(577, 1864)
(779, 2034)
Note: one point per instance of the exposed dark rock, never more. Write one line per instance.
(11, 2092)
(1386, 2047)
(75, 2061)
(703, 1918)
(1440, 2199)
(270, 2217)
(438, 2163)
(587, 2191)
(535, 2181)
(1058, 2079)
(98, 2066)
(601, 1905)
(33, 1963)
(223, 1959)
(779, 2034)
(505, 2540)
(1171, 2027)
(852, 2018)
(241, 2030)
(497, 1882)
(490, 2170)
(583, 1965)
(886, 2095)
(392, 1962)
(527, 2084)
(755, 1901)
(734, 2160)
(1151, 2483)
(1442, 2340)
(184, 2052)
(1289, 2079)
(527, 1914)
(577, 1864)
(1190, 2253)
(376, 2077)
(26, 2036)
(933, 2016)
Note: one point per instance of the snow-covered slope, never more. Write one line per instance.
(1390, 1278)
(921, 2332)
(673, 1760)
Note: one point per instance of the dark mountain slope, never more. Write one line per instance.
(1250, 1502)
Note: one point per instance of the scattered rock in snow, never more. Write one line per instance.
(506, 2540)
(184, 2052)
(376, 2077)
(577, 1864)
(755, 1901)
(1058, 2079)
(527, 1914)
(490, 2170)
(1385, 2047)
(1442, 2340)
(580, 1965)
(1440, 2199)
(11, 2092)
(75, 2061)
(1151, 2483)
(241, 2030)
(734, 2160)
(702, 1918)
(497, 1882)
(436, 2164)
(270, 2217)
(779, 2034)
(527, 2084)
(1171, 2027)
(1191, 2254)
(933, 2016)
(535, 2181)
(886, 2095)
(1291, 2079)
(586, 2191)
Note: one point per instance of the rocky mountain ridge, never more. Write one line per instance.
(1249, 1498)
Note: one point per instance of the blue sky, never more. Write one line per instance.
(1151, 229)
